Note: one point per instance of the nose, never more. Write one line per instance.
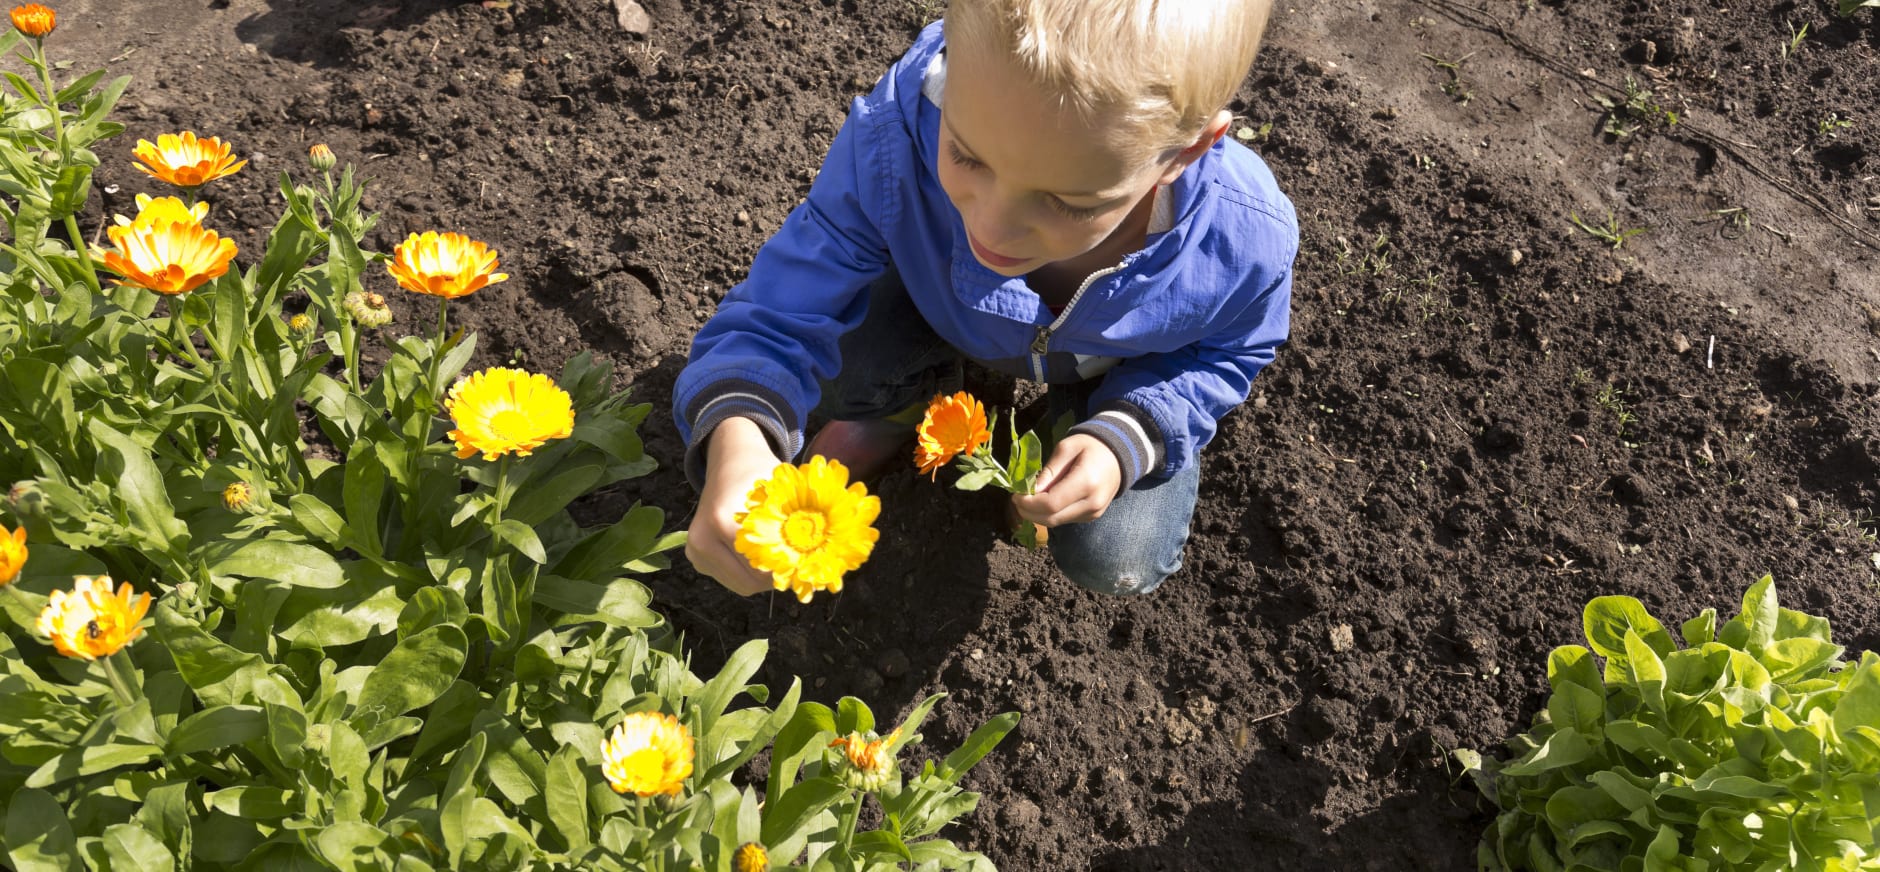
(996, 222)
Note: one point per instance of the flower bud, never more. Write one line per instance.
(321, 157)
(26, 499)
(368, 309)
(34, 21)
(47, 158)
(301, 323)
(751, 857)
(238, 496)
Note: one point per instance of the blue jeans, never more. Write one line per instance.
(894, 360)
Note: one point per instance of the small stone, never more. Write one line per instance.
(1792, 503)
(1342, 638)
(978, 654)
(742, 219)
(1181, 730)
(632, 17)
(1515, 257)
(1680, 343)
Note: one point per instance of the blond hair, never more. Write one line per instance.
(1159, 69)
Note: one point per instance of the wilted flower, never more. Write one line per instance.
(167, 257)
(12, 554)
(367, 309)
(751, 857)
(186, 161)
(90, 621)
(165, 210)
(954, 426)
(866, 763)
(301, 323)
(33, 20)
(807, 526)
(321, 157)
(648, 754)
(448, 265)
(238, 496)
(502, 411)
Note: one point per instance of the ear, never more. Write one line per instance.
(1210, 134)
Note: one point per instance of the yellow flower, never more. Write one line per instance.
(186, 161)
(448, 265)
(34, 20)
(164, 210)
(869, 763)
(301, 323)
(751, 857)
(167, 257)
(321, 157)
(90, 621)
(237, 496)
(807, 526)
(501, 411)
(12, 554)
(648, 754)
(954, 426)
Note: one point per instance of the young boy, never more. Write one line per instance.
(1041, 186)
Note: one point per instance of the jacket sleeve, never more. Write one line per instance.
(773, 339)
(1158, 410)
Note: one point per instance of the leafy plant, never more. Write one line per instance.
(1796, 36)
(956, 429)
(1635, 109)
(1610, 232)
(1832, 125)
(1849, 7)
(1754, 747)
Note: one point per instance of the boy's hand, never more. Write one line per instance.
(1076, 485)
(737, 458)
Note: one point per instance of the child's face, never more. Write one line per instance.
(1033, 183)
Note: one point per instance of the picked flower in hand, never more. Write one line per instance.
(807, 526)
(957, 430)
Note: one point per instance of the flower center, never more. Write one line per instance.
(510, 424)
(805, 531)
(645, 766)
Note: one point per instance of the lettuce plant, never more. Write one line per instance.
(1753, 747)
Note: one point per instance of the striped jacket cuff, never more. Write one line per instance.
(737, 399)
(1132, 436)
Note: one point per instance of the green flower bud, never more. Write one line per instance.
(369, 310)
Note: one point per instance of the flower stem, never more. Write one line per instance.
(119, 685)
(502, 488)
(65, 159)
(437, 352)
(845, 837)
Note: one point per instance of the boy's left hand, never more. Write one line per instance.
(1076, 485)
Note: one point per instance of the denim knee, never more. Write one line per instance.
(1138, 542)
(1105, 571)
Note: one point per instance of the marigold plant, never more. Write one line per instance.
(953, 426)
(501, 411)
(448, 265)
(167, 257)
(751, 857)
(648, 754)
(90, 621)
(868, 759)
(186, 160)
(12, 554)
(33, 20)
(164, 210)
(807, 526)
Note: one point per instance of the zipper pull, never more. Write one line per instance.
(1040, 343)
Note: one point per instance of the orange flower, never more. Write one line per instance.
(869, 763)
(169, 257)
(185, 161)
(34, 20)
(12, 554)
(321, 156)
(89, 621)
(448, 265)
(954, 426)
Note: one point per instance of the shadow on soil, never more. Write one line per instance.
(314, 32)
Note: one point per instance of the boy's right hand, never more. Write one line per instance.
(737, 458)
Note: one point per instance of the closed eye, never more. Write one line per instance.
(959, 157)
(1072, 212)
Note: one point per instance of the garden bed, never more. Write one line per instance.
(1487, 415)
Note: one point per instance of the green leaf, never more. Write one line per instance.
(362, 490)
(786, 817)
(1607, 619)
(1645, 671)
(254, 802)
(1700, 630)
(521, 537)
(319, 519)
(217, 727)
(219, 673)
(1565, 747)
(976, 480)
(977, 746)
(90, 761)
(137, 485)
(38, 836)
(1860, 703)
(853, 716)
(567, 798)
(539, 502)
(710, 702)
(1572, 664)
(289, 563)
(1577, 707)
(417, 671)
(1800, 658)
(350, 845)
(621, 602)
(131, 847)
(1755, 627)
(606, 553)
(795, 742)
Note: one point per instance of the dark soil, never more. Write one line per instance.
(1486, 415)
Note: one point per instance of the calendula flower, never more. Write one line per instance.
(648, 754)
(167, 257)
(12, 554)
(33, 20)
(367, 309)
(238, 496)
(301, 323)
(186, 161)
(751, 857)
(507, 411)
(448, 265)
(954, 426)
(866, 763)
(321, 157)
(90, 621)
(165, 210)
(807, 526)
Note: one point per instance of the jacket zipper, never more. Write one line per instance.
(1040, 343)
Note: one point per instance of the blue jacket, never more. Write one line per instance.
(1181, 325)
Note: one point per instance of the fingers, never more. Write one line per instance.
(711, 553)
(1076, 486)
